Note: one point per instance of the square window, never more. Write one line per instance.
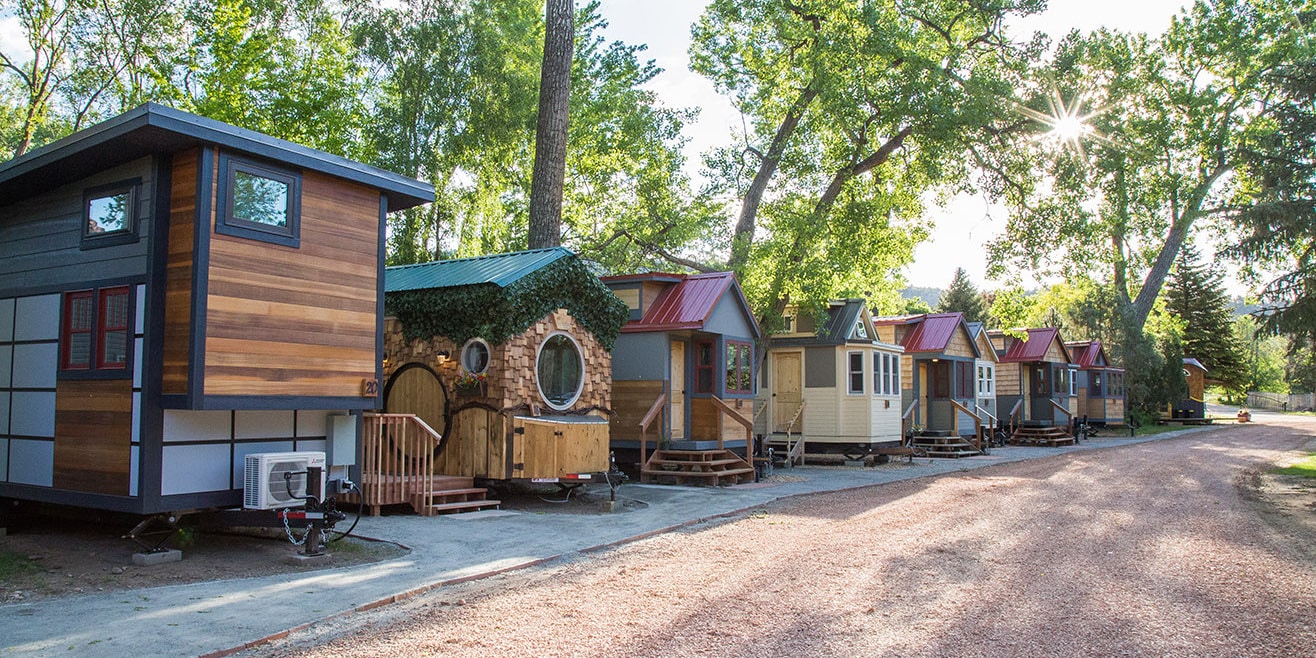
(109, 214)
(96, 335)
(259, 201)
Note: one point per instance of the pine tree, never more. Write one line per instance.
(963, 297)
(1195, 295)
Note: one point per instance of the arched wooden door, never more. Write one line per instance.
(415, 389)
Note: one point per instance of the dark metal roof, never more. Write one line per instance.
(689, 303)
(933, 332)
(150, 129)
(1034, 347)
(842, 314)
(501, 270)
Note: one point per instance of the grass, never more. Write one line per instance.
(14, 564)
(1148, 430)
(1304, 468)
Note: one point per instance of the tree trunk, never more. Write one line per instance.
(749, 208)
(551, 132)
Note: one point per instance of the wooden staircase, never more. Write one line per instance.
(952, 447)
(706, 467)
(1033, 435)
(452, 495)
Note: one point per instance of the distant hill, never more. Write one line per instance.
(930, 296)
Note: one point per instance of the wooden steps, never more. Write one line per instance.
(1027, 435)
(946, 447)
(709, 467)
(450, 495)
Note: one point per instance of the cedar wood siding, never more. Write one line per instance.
(93, 436)
(285, 321)
(178, 273)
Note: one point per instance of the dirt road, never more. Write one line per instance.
(1145, 550)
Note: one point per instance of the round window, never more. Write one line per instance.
(560, 371)
(475, 356)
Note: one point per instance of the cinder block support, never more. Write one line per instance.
(158, 557)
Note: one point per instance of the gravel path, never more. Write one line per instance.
(1145, 550)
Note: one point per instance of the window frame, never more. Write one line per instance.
(964, 382)
(227, 224)
(850, 372)
(126, 235)
(469, 345)
(879, 371)
(580, 357)
(895, 374)
(103, 327)
(744, 366)
(702, 385)
(96, 367)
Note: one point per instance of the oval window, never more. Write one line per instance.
(560, 371)
(475, 356)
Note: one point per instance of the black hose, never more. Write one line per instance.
(358, 514)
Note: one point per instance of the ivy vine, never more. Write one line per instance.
(497, 314)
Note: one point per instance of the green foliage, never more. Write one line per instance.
(497, 314)
(1195, 295)
(1010, 308)
(1302, 468)
(963, 297)
(15, 564)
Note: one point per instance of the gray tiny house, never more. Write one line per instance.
(177, 293)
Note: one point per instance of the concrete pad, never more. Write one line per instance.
(482, 514)
(158, 557)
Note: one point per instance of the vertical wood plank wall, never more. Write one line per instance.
(178, 273)
(93, 435)
(631, 400)
(297, 321)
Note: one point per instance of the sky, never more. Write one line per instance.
(963, 226)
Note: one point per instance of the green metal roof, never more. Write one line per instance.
(501, 270)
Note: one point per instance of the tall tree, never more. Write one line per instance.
(1162, 147)
(963, 297)
(552, 124)
(1195, 295)
(853, 110)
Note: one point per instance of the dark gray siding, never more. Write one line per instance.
(640, 356)
(41, 237)
(820, 367)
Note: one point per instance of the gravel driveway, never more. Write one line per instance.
(1144, 550)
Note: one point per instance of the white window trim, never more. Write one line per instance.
(461, 355)
(580, 354)
(1073, 382)
(849, 373)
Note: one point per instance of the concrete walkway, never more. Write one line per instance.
(221, 617)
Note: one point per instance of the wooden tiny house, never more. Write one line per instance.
(686, 354)
(939, 397)
(1035, 384)
(508, 357)
(838, 388)
(1193, 406)
(177, 293)
(1100, 384)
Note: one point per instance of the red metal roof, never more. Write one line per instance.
(1085, 353)
(1034, 348)
(932, 333)
(686, 305)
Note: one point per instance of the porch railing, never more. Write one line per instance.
(1015, 411)
(977, 422)
(398, 459)
(655, 413)
(992, 421)
(906, 428)
(795, 451)
(1069, 417)
(744, 422)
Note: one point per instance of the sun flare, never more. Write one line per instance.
(1067, 124)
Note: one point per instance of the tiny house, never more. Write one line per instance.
(689, 340)
(177, 293)
(837, 387)
(1100, 384)
(508, 358)
(1193, 406)
(985, 371)
(939, 395)
(1035, 382)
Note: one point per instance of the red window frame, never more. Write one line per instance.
(106, 325)
(705, 359)
(941, 380)
(76, 324)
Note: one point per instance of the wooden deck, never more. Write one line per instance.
(711, 467)
(1052, 437)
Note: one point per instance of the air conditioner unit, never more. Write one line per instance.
(264, 485)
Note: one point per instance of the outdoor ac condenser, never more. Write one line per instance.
(264, 485)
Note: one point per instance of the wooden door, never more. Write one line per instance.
(415, 389)
(786, 391)
(676, 397)
(925, 394)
